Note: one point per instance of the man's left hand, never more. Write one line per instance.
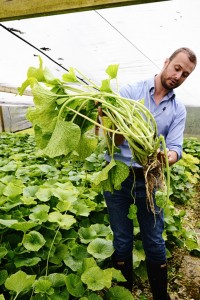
(172, 156)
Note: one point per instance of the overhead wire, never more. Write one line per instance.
(54, 61)
(61, 66)
(128, 40)
(39, 50)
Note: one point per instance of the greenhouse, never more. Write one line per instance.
(64, 128)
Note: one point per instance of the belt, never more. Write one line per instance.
(138, 172)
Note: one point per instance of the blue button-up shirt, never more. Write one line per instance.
(170, 116)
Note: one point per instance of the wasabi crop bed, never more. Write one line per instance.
(56, 242)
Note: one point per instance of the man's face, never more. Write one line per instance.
(176, 71)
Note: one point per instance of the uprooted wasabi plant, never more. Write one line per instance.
(66, 110)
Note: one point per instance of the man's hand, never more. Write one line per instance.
(172, 156)
(119, 139)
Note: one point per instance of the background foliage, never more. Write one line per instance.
(56, 242)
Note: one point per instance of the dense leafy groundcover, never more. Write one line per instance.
(56, 242)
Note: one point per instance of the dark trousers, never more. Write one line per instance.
(151, 229)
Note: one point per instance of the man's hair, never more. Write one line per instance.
(191, 55)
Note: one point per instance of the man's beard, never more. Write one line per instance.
(168, 86)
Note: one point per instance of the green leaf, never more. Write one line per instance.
(74, 259)
(33, 241)
(47, 169)
(105, 86)
(2, 187)
(97, 279)
(111, 176)
(8, 223)
(10, 167)
(44, 99)
(60, 295)
(86, 146)
(87, 234)
(72, 262)
(30, 191)
(138, 254)
(20, 282)
(132, 212)
(49, 77)
(64, 221)
(64, 139)
(36, 72)
(101, 229)
(66, 193)
(3, 276)
(119, 173)
(27, 200)
(10, 205)
(28, 262)
(103, 175)
(161, 198)
(75, 285)
(44, 286)
(63, 206)
(117, 275)
(88, 263)
(3, 252)
(24, 85)
(44, 114)
(112, 70)
(70, 76)
(44, 193)
(107, 122)
(24, 226)
(57, 279)
(40, 213)
(100, 248)
(42, 138)
(13, 189)
(79, 252)
(59, 254)
(118, 293)
(83, 207)
(141, 272)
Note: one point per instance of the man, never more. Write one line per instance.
(170, 115)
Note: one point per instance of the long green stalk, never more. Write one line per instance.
(129, 118)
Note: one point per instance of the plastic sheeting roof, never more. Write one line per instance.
(137, 37)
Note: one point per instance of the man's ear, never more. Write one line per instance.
(166, 62)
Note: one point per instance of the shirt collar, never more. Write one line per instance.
(151, 87)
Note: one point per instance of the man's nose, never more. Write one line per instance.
(178, 75)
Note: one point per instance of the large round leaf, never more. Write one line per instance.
(65, 221)
(74, 285)
(100, 248)
(96, 278)
(19, 282)
(33, 241)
